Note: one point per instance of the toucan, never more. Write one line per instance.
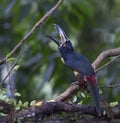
(79, 64)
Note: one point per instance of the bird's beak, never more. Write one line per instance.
(63, 37)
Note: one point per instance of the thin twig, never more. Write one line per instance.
(11, 70)
(35, 27)
(105, 54)
(110, 86)
(108, 63)
(8, 73)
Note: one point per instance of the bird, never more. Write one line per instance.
(79, 64)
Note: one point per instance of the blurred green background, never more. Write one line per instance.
(91, 25)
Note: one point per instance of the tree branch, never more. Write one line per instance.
(73, 89)
(35, 27)
(110, 62)
(47, 109)
(53, 108)
(105, 54)
(110, 86)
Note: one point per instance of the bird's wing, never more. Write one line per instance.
(80, 64)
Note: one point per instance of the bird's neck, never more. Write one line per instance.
(66, 55)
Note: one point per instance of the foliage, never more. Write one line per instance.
(92, 26)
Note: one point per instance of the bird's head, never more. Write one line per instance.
(64, 44)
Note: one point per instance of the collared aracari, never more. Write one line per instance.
(80, 65)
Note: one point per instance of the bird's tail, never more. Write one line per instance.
(94, 91)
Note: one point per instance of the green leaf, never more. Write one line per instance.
(25, 105)
(8, 55)
(74, 99)
(32, 103)
(113, 103)
(16, 94)
(10, 59)
(3, 97)
(81, 102)
(83, 94)
(16, 68)
(12, 101)
(17, 107)
(20, 103)
(104, 112)
(2, 114)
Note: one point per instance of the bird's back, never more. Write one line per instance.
(79, 63)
